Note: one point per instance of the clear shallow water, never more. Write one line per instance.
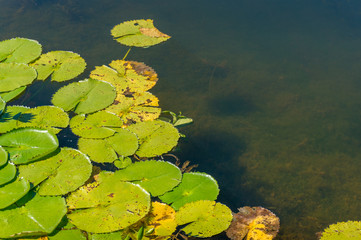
(274, 89)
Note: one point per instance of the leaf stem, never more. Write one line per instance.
(127, 53)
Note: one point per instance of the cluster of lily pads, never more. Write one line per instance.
(58, 193)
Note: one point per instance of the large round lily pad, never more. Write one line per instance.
(39, 216)
(107, 206)
(19, 50)
(61, 65)
(194, 186)
(28, 144)
(85, 96)
(138, 33)
(155, 137)
(204, 218)
(15, 75)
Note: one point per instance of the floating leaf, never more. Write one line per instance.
(108, 236)
(204, 218)
(194, 186)
(15, 75)
(253, 223)
(19, 50)
(10, 95)
(7, 173)
(85, 96)
(157, 177)
(123, 163)
(70, 234)
(108, 206)
(3, 156)
(11, 192)
(121, 144)
(50, 118)
(349, 230)
(39, 216)
(2, 105)
(155, 137)
(162, 219)
(9, 119)
(61, 65)
(96, 125)
(27, 145)
(136, 108)
(138, 33)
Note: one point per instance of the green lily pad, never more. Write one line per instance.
(73, 234)
(349, 230)
(7, 173)
(19, 50)
(13, 191)
(108, 236)
(61, 65)
(50, 118)
(15, 75)
(138, 33)
(10, 95)
(9, 118)
(107, 206)
(122, 144)
(85, 96)
(96, 125)
(204, 218)
(155, 137)
(28, 144)
(39, 216)
(194, 186)
(2, 105)
(157, 177)
(122, 163)
(3, 156)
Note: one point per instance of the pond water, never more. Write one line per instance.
(273, 87)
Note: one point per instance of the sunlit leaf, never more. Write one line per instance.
(19, 50)
(11, 192)
(61, 65)
(204, 218)
(349, 230)
(85, 96)
(50, 118)
(96, 125)
(71, 234)
(157, 177)
(9, 119)
(2, 105)
(194, 186)
(39, 216)
(27, 145)
(107, 206)
(108, 236)
(121, 144)
(122, 163)
(10, 95)
(3, 156)
(162, 219)
(138, 33)
(7, 173)
(15, 75)
(155, 137)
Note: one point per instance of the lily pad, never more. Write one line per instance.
(7, 173)
(108, 236)
(50, 118)
(96, 125)
(138, 33)
(28, 144)
(85, 96)
(349, 230)
(9, 118)
(157, 177)
(13, 191)
(122, 144)
(155, 137)
(204, 218)
(107, 206)
(10, 95)
(19, 50)
(39, 216)
(3, 156)
(2, 105)
(162, 218)
(73, 234)
(61, 65)
(15, 75)
(194, 186)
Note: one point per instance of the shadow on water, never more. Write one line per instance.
(231, 104)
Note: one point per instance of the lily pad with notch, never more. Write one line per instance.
(15, 75)
(19, 50)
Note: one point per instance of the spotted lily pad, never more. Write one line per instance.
(138, 33)
(85, 96)
(61, 65)
(97, 125)
(162, 218)
(19, 50)
(120, 235)
(155, 137)
(13, 191)
(349, 230)
(204, 218)
(15, 75)
(28, 144)
(122, 144)
(194, 186)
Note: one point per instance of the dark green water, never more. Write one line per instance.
(274, 88)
